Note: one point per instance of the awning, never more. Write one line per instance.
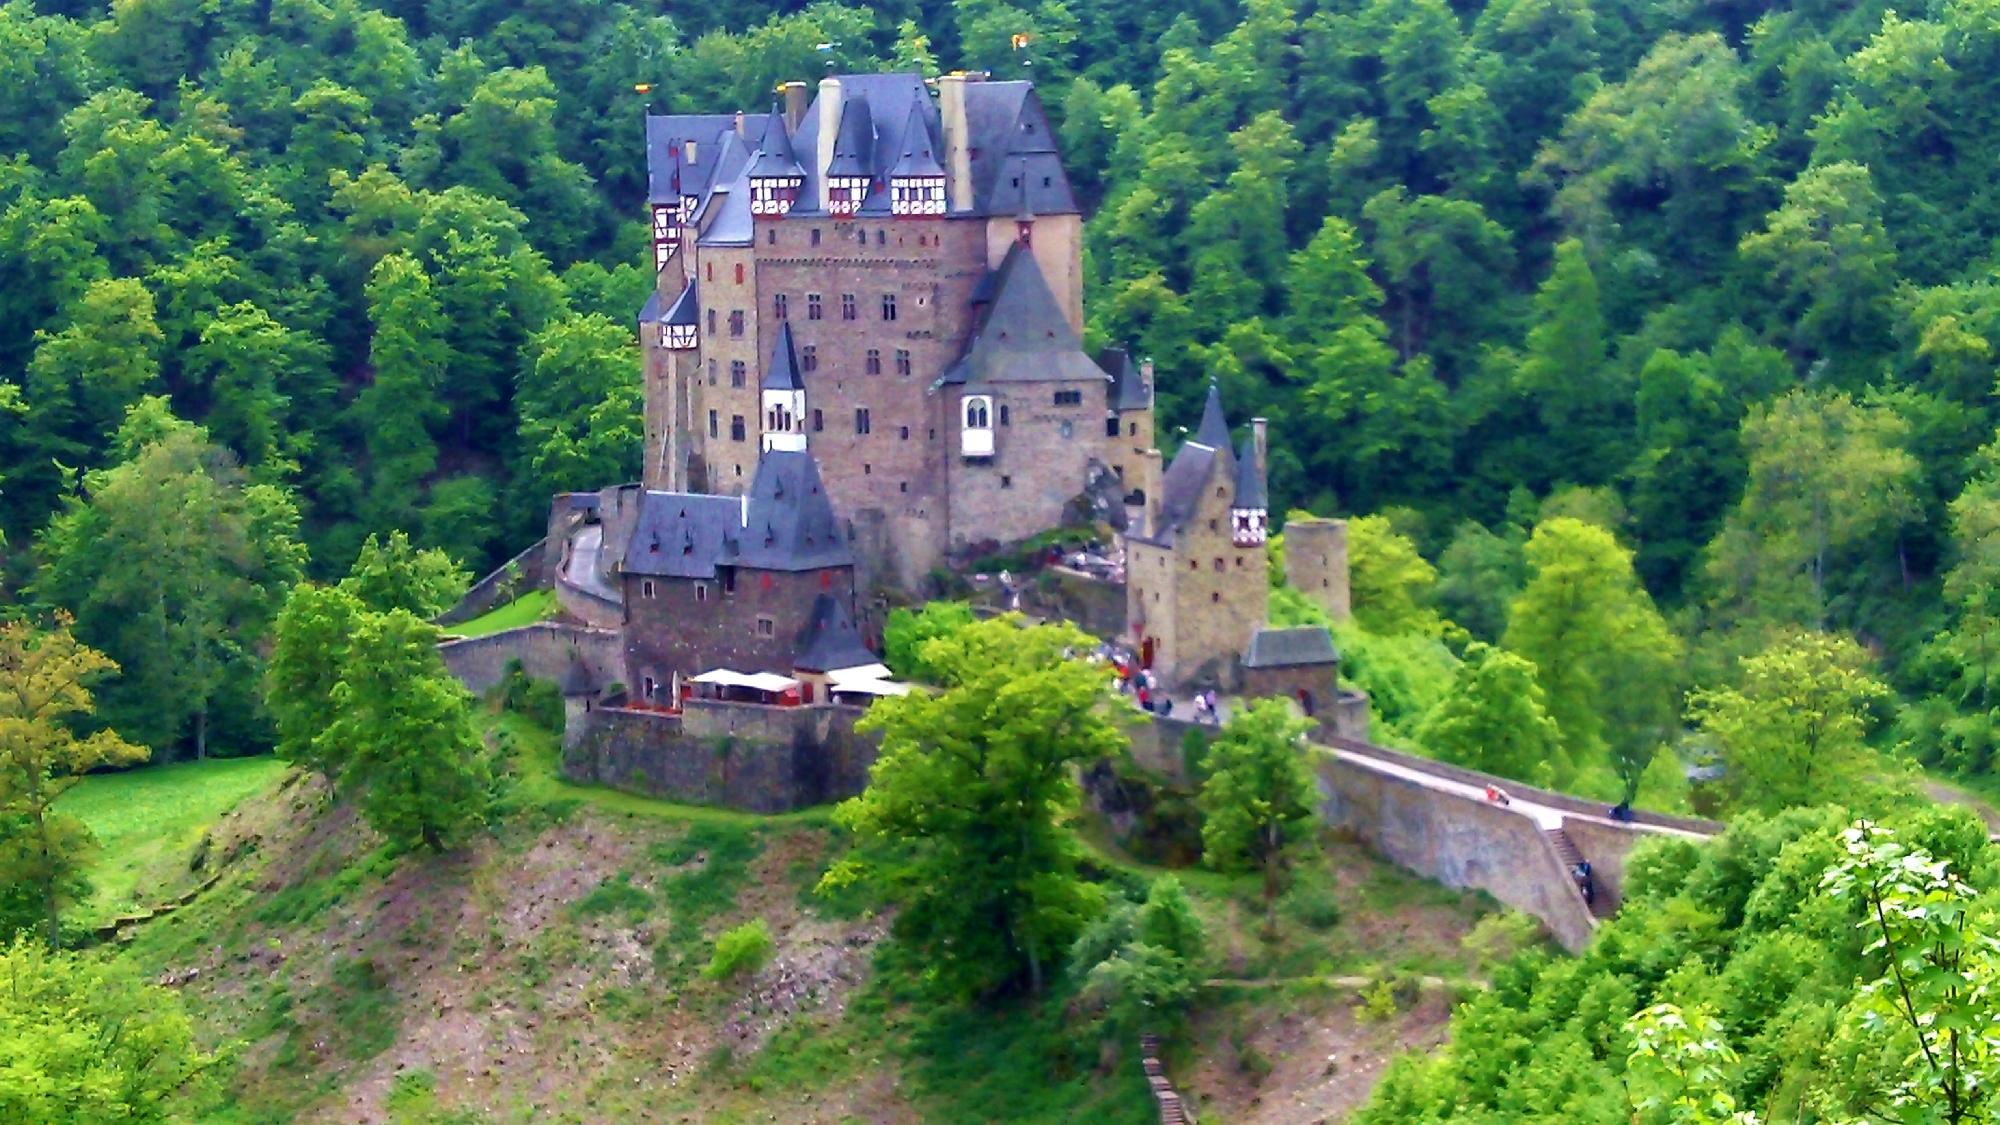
(859, 672)
(769, 681)
(870, 687)
(722, 677)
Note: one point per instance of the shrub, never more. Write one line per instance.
(1312, 905)
(1378, 1002)
(539, 701)
(744, 949)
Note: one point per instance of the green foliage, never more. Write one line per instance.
(1390, 583)
(174, 565)
(740, 951)
(1587, 625)
(1258, 797)
(539, 701)
(959, 826)
(1493, 718)
(1794, 731)
(906, 631)
(1139, 964)
(393, 573)
(87, 1040)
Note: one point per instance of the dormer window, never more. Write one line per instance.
(916, 195)
(976, 436)
(773, 196)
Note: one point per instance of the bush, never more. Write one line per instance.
(1378, 1002)
(1311, 905)
(742, 950)
(538, 701)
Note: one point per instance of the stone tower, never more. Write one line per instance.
(1196, 586)
(1316, 563)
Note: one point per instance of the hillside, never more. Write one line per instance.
(553, 971)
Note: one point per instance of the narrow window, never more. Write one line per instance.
(861, 420)
(771, 237)
(848, 310)
(736, 322)
(888, 306)
(1219, 566)
(815, 236)
(812, 306)
(1003, 413)
(873, 364)
(906, 433)
(711, 322)
(646, 588)
(767, 626)
(1111, 427)
(861, 236)
(881, 238)
(902, 361)
(819, 420)
(711, 373)
(739, 372)
(809, 357)
(739, 273)
(710, 267)
(711, 423)
(1006, 482)
(736, 427)
(701, 591)
(781, 307)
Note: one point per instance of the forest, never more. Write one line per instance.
(1647, 347)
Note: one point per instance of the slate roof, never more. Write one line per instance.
(1290, 648)
(725, 219)
(830, 639)
(1250, 477)
(786, 523)
(1180, 492)
(686, 309)
(649, 313)
(1214, 429)
(1129, 390)
(782, 373)
(890, 125)
(774, 157)
(669, 172)
(1023, 336)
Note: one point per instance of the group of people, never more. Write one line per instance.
(1144, 687)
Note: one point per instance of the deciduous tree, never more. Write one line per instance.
(1258, 798)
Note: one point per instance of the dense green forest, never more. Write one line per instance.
(1717, 277)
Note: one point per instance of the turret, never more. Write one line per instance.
(784, 397)
(916, 183)
(680, 329)
(847, 171)
(1249, 511)
(775, 174)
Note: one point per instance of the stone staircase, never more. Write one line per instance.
(1172, 1110)
(1566, 850)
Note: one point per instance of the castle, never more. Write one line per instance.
(863, 364)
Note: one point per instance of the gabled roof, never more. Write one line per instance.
(782, 373)
(830, 639)
(1290, 648)
(774, 157)
(786, 523)
(683, 534)
(1023, 336)
(1202, 460)
(1250, 486)
(1015, 165)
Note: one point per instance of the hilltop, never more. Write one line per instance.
(554, 970)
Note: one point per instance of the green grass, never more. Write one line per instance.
(527, 609)
(148, 820)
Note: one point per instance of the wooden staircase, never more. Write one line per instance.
(1566, 850)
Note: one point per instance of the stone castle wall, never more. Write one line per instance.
(738, 755)
(544, 649)
(1316, 564)
(525, 571)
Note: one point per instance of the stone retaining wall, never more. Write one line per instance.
(738, 755)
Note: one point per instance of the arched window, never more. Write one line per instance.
(978, 414)
(976, 438)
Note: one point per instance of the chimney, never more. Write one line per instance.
(1146, 376)
(957, 145)
(795, 105)
(829, 131)
(739, 122)
(1257, 434)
